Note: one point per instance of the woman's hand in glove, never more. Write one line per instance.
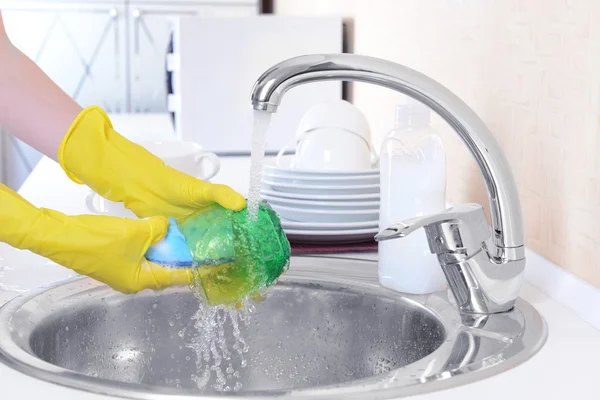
(108, 249)
(92, 152)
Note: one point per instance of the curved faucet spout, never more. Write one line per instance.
(507, 227)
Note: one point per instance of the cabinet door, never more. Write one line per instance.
(150, 32)
(80, 46)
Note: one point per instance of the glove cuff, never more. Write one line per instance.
(80, 120)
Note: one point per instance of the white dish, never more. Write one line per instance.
(328, 226)
(290, 173)
(338, 197)
(321, 190)
(286, 170)
(320, 215)
(327, 180)
(327, 205)
(333, 237)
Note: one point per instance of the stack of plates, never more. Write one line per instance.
(324, 207)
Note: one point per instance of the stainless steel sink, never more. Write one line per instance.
(326, 330)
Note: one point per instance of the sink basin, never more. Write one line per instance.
(326, 330)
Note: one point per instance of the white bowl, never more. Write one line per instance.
(332, 135)
(335, 113)
(331, 149)
(325, 180)
(321, 215)
(326, 197)
(325, 205)
(321, 190)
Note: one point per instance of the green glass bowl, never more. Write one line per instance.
(234, 257)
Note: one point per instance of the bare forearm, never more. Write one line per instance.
(32, 107)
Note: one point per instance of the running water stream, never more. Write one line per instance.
(215, 357)
(262, 120)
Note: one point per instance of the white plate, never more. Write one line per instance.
(333, 237)
(286, 170)
(328, 197)
(320, 215)
(322, 180)
(326, 205)
(321, 190)
(328, 226)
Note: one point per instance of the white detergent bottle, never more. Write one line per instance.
(413, 183)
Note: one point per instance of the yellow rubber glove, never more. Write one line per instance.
(92, 152)
(108, 249)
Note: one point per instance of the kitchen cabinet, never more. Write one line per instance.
(150, 25)
(100, 52)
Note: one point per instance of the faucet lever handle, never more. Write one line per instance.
(463, 228)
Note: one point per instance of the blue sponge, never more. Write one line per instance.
(172, 250)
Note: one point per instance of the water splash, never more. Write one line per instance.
(262, 120)
(214, 357)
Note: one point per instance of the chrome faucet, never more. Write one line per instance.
(484, 268)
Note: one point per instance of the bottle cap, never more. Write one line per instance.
(412, 114)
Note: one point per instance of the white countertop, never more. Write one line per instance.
(564, 368)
